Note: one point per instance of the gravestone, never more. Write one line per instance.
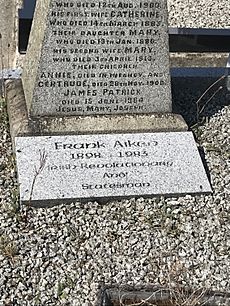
(96, 72)
(98, 57)
(109, 165)
(8, 35)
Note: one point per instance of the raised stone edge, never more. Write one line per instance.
(34, 49)
(106, 199)
(102, 200)
(22, 125)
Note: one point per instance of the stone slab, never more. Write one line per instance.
(109, 166)
(8, 34)
(22, 125)
(100, 57)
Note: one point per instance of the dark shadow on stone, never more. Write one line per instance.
(202, 155)
(160, 296)
(1, 88)
(104, 299)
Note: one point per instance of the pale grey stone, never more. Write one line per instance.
(109, 165)
(22, 125)
(100, 57)
(8, 34)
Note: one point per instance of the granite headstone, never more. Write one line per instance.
(88, 58)
(98, 57)
(109, 165)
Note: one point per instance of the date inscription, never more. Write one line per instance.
(108, 57)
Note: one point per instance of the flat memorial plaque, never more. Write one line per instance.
(98, 57)
(109, 165)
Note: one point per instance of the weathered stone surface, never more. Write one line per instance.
(100, 57)
(16, 109)
(22, 125)
(109, 165)
(8, 34)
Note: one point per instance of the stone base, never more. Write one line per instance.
(22, 125)
(108, 166)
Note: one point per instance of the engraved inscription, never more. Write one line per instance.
(115, 161)
(110, 165)
(106, 57)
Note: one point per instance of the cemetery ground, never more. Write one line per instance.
(63, 255)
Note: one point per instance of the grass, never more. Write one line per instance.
(13, 207)
(162, 296)
(8, 248)
(3, 111)
(203, 101)
(166, 296)
(68, 283)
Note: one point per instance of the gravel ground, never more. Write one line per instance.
(62, 255)
(199, 13)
